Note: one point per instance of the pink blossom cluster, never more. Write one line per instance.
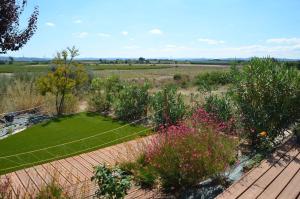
(202, 117)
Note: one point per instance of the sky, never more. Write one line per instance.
(166, 28)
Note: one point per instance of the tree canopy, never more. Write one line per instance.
(12, 37)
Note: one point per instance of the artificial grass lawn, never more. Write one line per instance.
(59, 131)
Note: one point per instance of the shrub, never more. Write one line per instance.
(112, 182)
(132, 102)
(103, 92)
(168, 106)
(209, 81)
(268, 96)
(144, 175)
(181, 80)
(52, 190)
(219, 106)
(184, 155)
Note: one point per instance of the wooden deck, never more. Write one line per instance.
(74, 173)
(276, 177)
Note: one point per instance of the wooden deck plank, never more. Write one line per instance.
(17, 185)
(292, 190)
(79, 167)
(261, 183)
(89, 160)
(55, 174)
(274, 189)
(43, 173)
(84, 163)
(237, 188)
(103, 154)
(70, 177)
(72, 169)
(100, 157)
(35, 177)
(96, 158)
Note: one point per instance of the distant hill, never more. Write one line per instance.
(38, 59)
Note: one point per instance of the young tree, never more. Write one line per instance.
(67, 76)
(11, 60)
(168, 106)
(11, 38)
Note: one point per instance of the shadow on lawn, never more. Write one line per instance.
(108, 119)
(88, 114)
(58, 119)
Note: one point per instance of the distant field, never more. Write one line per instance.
(158, 74)
(28, 67)
(59, 131)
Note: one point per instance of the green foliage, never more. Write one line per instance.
(219, 106)
(211, 80)
(168, 106)
(268, 96)
(132, 102)
(65, 79)
(103, 92)
(52, 190)
(144, 174)
(182, 80)
(295, 64)
(113, 183)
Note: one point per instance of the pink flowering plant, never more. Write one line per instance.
(191, 151)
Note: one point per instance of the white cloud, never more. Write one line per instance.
(78, 21)
(210, 41)
(284, 40)
(170, 46)
(81, 34)
(156, 31)
(130, 47)
(50, 24)
(101, 34)
(125, 33)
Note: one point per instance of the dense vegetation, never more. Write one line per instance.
(267, 94)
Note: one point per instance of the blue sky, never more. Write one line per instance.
(166, 28)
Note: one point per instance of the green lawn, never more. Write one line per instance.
(59, 131)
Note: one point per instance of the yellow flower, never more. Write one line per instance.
(263, 134)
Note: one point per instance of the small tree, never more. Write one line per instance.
(103, 92)
(142, 60)
(11, 38)
(168, 106)
(132, 102)
(10, 60)
(66, 77)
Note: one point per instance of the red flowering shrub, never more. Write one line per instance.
(184, 155)
(210, 120)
